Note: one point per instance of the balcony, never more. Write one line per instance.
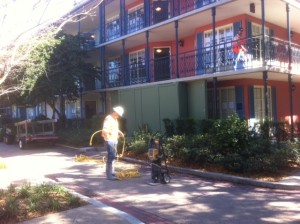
(201, 61)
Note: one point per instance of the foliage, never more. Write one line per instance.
(19, 202)
(228, 143)
(57, 69)
(140, 140)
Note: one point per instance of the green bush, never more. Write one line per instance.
(139, 142)
(230, 135)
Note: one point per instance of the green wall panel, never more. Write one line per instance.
(127, 100)
(150, 107)
(197, 105)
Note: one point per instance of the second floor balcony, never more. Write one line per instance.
(274, 54)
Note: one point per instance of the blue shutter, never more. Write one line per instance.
(236, 27)
(199, 3)
(239, 100)
(274, 103)
(200, 54)
(251, 101)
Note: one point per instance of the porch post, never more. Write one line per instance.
(102, 37)
(147, 12)
(289, 71)
(177, 51)
(213, 12)
(215, 105)
(122, 16)
(263, 26)
(147, 57)
(266, 95)
(123, 63)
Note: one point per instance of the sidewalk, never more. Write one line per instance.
(101, 210)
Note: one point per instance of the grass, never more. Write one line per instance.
(26, 202)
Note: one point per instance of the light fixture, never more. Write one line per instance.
(181, 43)
(158, 50)
(158, 9)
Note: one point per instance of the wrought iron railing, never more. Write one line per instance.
(135, 20)
(206, 61)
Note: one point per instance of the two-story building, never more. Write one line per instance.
(181, 58)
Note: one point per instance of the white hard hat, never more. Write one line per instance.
(119, 110)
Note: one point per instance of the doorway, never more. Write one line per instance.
(161, 64)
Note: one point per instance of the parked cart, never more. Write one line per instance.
(29, 131)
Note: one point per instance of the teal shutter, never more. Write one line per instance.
(251, 101)
(239, 99)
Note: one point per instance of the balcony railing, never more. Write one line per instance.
(202, 61)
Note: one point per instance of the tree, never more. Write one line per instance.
(57, 69)
(25, 25)
(22, 23)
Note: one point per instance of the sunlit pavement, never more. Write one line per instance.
(187, 199)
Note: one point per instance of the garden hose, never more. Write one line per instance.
(123, 173)
(123, 148)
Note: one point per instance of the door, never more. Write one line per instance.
(161, 64)
(90, 109)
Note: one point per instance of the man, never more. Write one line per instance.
(111, 133)
(239, 50)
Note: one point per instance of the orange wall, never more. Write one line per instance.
(282, 95)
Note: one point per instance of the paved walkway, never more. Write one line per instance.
(102, 209)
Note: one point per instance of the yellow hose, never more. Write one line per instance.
(124, 174)
(123, 148)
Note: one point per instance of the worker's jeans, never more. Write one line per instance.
(111, 155)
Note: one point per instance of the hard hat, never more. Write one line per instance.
(119, 110)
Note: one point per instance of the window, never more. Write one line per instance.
(225, 102)
(224, 55)
(137, 67)
(136, 19)
(259, 103)
(257, 41)
(114, 71)
(113, 29)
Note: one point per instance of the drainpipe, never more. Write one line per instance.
(177, 51)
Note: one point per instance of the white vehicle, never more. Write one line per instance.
(29, 131)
